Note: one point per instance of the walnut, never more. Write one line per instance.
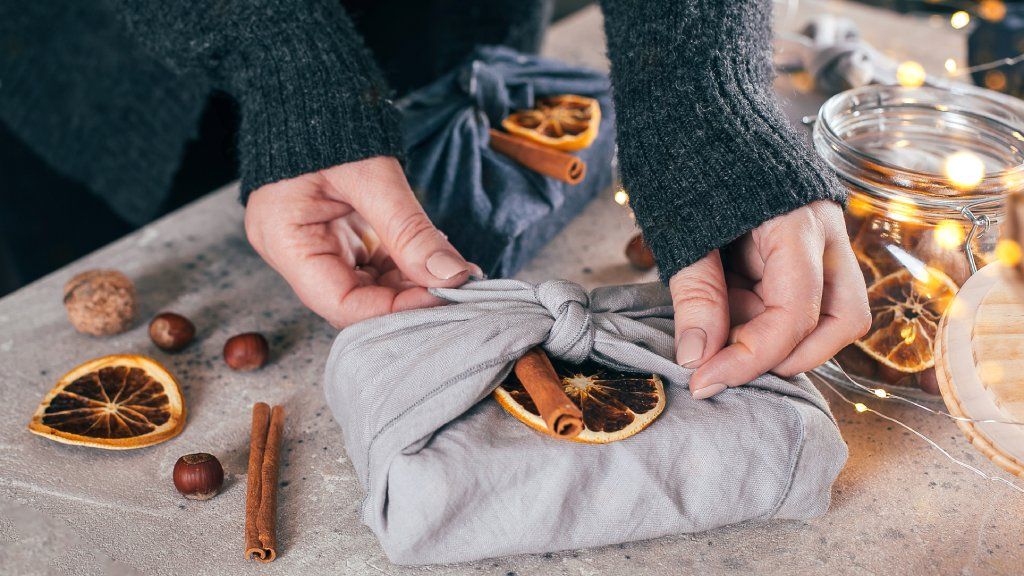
(100, 302)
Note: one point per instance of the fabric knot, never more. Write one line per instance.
(493, 93)
(572, 334)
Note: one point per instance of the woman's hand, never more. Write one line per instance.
(783, 298)
(352, 241)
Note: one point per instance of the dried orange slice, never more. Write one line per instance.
(615, 405)
(867, 268)
(567, 122)
(114, 402)
(905, 313)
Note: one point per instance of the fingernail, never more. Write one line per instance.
(707, 391)
(444, 265)
(691, 346)
(476, 272)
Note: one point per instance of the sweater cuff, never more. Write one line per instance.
(712, 192)
(310, 104)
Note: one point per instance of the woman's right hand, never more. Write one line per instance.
(353, 242)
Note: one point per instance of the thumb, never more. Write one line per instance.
(701, 303)
(420, 250)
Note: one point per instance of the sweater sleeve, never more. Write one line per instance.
(309, 92)
(704, 149)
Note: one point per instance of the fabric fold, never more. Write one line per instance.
(451, 477)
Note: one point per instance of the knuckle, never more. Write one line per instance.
(862, 321)
(699, 292)
(411, 229)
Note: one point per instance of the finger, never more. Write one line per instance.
(701, 306)
(791, 292)
(744, 306)
(386, 202)
(845, 316)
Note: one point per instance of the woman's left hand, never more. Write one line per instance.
(783, 298)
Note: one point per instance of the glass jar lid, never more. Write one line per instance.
(930, 150)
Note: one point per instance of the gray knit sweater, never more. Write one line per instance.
(108, 92)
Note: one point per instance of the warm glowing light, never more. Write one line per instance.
(621, 197)
(949, 234)
(902, 209)
(858, 206)
(881, 393)
(910, 74)
(1008, 252)
(860, 407)
(992, 10)
(965, 170)
(950, 65)
(908, 333)
(802, 81)
(959, 19)
(995, 80)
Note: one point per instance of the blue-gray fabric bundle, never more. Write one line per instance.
(497, 213)
(450, 476)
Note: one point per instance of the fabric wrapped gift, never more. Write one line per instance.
(450, 476)
(497, 213)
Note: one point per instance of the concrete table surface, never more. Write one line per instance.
(898, 507)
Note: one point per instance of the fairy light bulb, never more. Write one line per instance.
(1008, 252)
(964, 170)
(621, 197)
(910, 74)
(949, 234)
(881, 393)
(950, 65)
(959, 19)
(992, 10)
(860, 407)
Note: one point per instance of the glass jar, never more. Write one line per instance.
(928, 171)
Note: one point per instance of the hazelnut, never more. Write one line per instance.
(894, 377)
(100, 302)
(856, 362)
(953, 261)
(928, 382)
(198, 476)
(246, 352)
(639, 255)
(171, 332)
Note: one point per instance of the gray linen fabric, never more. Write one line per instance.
(450, 476)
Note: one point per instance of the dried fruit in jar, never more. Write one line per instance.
(567, 122)
(114, 402)
(615, 405)
(905, 311)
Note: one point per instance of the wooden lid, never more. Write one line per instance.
(979, 363)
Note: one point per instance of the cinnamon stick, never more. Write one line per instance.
(538, 376)
(540, 159)
(261, 486)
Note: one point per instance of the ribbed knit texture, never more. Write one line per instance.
(704, 150)
(311, 96)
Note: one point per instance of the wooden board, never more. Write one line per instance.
(979, 360)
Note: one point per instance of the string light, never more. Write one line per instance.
(959, 19)
(965, 170)
(991, 10)
(861, 408)
(910, 74)
(621, 197)
(949, 234)
(1008, 252)
(886, 395)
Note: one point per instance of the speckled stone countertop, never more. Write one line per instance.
(898, 507)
